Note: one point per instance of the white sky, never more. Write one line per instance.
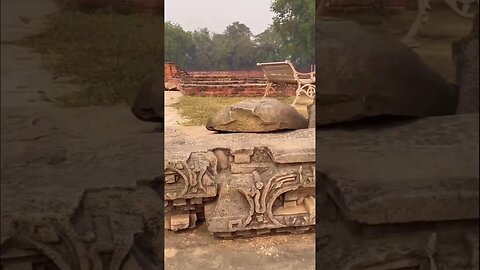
(216, 15)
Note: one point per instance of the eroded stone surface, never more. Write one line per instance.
(425, 170)
(358, 80)
(257, 115)
(247, 189)
(398, 195)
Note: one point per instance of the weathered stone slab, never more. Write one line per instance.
(284, 147)
(425, 170)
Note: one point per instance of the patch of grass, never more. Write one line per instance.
(108, 54)
(197, 109)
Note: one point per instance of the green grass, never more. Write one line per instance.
(108, 54)
(197, 109)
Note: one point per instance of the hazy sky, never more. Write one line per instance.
(216, 15)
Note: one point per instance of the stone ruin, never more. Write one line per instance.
(238, 187)
(173, 75)
(219, 83)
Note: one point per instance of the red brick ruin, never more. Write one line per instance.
(219, 83)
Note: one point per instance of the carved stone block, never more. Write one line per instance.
(242, 156)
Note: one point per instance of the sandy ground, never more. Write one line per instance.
(172, 118)
(197, 249)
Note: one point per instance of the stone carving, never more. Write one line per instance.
(188, 184)
(261, 198)
(257, 193)
(192, 178)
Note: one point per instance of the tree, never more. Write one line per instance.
(239, 45)
(295, 22)
(269, 46)
(179, 46)
(204, 50)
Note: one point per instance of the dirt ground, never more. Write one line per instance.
(197, 249)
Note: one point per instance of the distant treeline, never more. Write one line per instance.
(291, 36)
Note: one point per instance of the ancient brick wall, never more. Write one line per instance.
(238, 74)
(465, 53)
(173, 71)
(250, 83)
(234, 90)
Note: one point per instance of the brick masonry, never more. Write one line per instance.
(221, 83)
(235, 91)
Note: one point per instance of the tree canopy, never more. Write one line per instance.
(291, 36)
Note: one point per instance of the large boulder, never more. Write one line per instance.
(257, 115)
(148, 105)
(361, 75)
